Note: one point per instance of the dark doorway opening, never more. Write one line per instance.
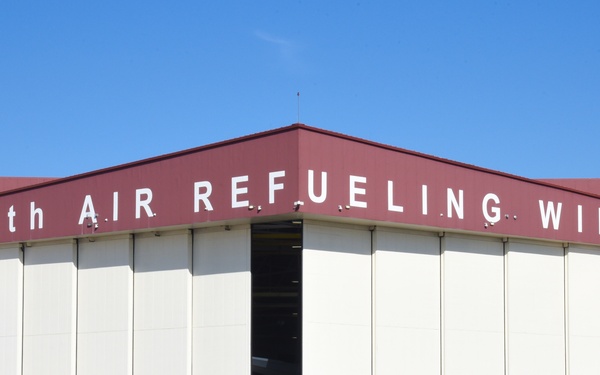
(276, 267)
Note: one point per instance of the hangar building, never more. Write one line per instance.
(299, 251)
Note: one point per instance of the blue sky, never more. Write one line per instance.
(512, 86)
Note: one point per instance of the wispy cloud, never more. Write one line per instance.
(272, 39)
(287, 50)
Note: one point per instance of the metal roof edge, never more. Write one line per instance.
(540, 182)
(158, 158)
(288, 128)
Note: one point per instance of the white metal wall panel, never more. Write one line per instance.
(162, 304)
(105, 298)
(336, 301)
(584, 310)
(536, 340)
(473, 305)
(407, 303)
(11, 308)
(222, 301)
(50, 298)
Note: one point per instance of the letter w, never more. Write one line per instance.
(550, 213)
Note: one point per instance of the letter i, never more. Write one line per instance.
(424, 199)
(115, 206)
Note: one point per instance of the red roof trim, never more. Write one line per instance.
(157, 158)
(8, 184)
(288, 128)
(447, 161)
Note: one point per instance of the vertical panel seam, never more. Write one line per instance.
(132, 303)
(191, 302)
(505, 248)
(75, 302)
(22, 256)
(249, 296)
(442, 305)
(373, 296)
(566, 306)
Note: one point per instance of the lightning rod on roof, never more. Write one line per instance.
(298, 94)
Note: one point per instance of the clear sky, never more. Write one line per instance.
(512, 86)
